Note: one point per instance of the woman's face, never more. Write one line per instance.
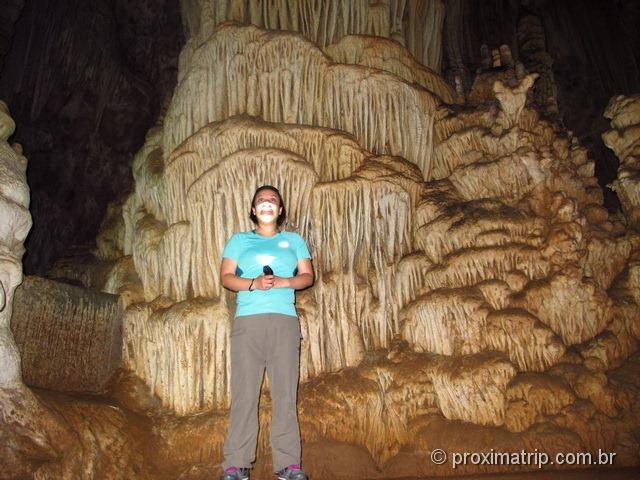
(267, 207)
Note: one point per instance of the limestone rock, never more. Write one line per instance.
(470, 284)
(466, 269)
(535, 396)
(70, 339)
(586, 308)
(15, 222)
(624, 140)
(472, 388)
(328, 23)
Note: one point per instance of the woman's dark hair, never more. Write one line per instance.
(282, 215)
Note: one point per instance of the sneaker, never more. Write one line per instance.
(292, 472)
(235, 473)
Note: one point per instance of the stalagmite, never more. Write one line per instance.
(534, 54)
(40, 435)
(512, 100)
(110, 240)
(14, 226)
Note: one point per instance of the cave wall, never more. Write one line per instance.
(468, 276)
(584, 52)
(8, 16)
(588, 51)
(470, 283)
(84, 81)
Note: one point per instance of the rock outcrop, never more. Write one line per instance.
(471, 291)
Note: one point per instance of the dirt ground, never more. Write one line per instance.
(582, 474)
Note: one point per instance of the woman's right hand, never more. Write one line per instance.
(263, 282)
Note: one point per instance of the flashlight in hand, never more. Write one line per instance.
(267, 270)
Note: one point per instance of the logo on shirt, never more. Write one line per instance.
(283, 244)
(265, 259)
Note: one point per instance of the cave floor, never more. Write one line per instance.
(208, 471)
(578, 474)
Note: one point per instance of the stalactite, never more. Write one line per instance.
(282, 78)
(473, 223)
(509, 178)
(326, 22)
(146, 249)
(204, 172)
(447, 322)
(459, 322)
(588, 385)
(530, 345)
(473, 265)
(387, 55)
(575, 309)
(531, 395)
(497, 293)
(472, 388)
(464, 147)
(362, 253)
(81, 266)
(123, 280)
(613, 345)
(182, 354)
(456, 249)
(332, 154)
(409, 278)
(606, 257)
(216, 207)
(147, 172)
(110, 239)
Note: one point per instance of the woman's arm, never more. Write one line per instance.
(233, 282)
(229, 278)
(303, 279)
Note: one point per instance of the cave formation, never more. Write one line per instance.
(474, 226)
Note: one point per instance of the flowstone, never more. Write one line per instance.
(473, 237)
(469, 282)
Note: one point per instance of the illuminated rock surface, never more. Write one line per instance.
(624, 140)
(471, 291)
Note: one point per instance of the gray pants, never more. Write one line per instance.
(270, 340)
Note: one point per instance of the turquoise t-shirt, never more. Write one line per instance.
(252, 252)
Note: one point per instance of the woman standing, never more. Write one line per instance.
(265, 266)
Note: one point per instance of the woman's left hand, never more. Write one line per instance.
(281, 282)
